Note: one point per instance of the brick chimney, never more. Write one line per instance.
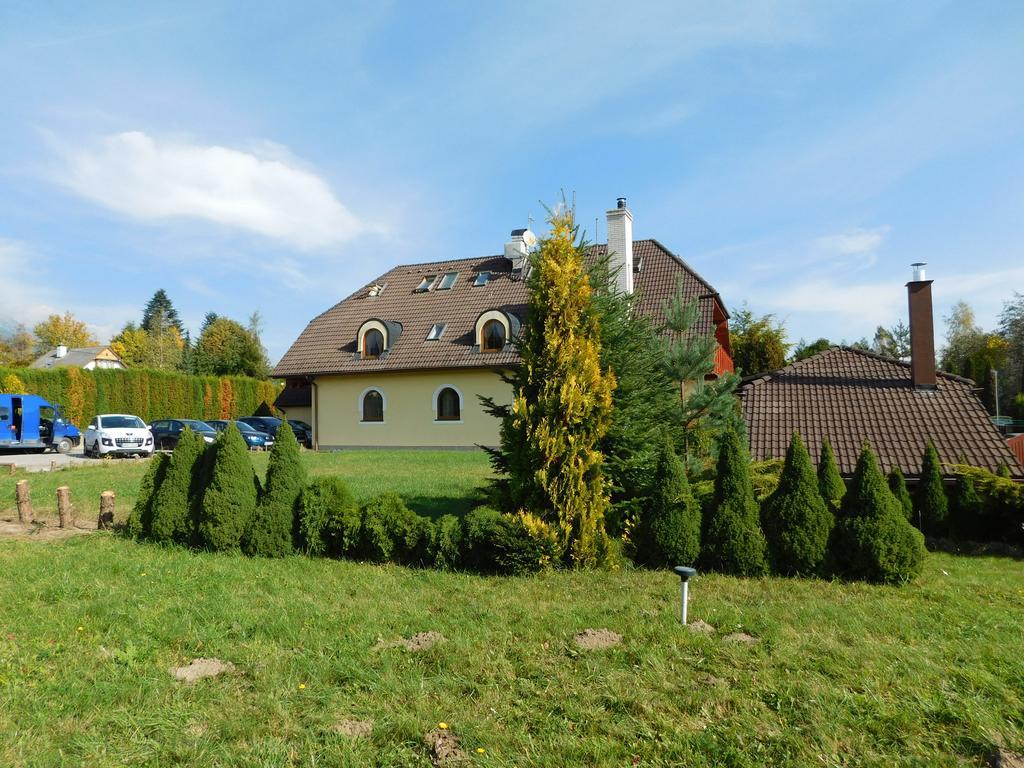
(922, 331)
(620, 245)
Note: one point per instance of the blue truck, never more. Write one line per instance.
(31, 424)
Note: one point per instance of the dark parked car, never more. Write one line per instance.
(268, 424)
(253, 437)
(167, 431)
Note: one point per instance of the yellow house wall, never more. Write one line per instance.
(408, 411)
(299, 413)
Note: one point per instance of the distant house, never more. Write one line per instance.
(404, 360)
(851, 396)
(87, 358)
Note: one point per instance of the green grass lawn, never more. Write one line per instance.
(842, 675)
(431, 482)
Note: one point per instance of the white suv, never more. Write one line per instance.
(118, 434)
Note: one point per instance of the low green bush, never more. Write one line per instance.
(1001, 514)
(448, 543)
(503, 544)
(329, 518)
(391, 532)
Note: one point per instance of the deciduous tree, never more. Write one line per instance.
(58, 330)
(758, 343)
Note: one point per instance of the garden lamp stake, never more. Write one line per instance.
(684, 574)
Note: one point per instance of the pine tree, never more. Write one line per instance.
(732, 540)
(230, 498)
(176, 501)
(930, 501)
(562, 402)
(898, 486)
(830, 483)
(140, 520)
(270, 534)
(966, 513)
(797, 522)
(160, 314)
(873, 540)
(668, 531)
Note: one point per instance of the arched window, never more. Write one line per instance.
(493, 336)
(373, 344)
(373, 406)
(449, 405)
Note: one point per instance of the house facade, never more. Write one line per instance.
(404, 361)
(86, 358)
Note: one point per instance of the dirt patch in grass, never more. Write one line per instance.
(40, 531)
(421, 641)
(741, 638)
(353, 729)
(1005, 759)
(701, 627)
(444, 747)
(597, 639)
(201, 668)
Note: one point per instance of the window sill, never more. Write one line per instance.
(373, 422)
(448, 421)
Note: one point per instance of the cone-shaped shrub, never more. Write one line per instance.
(668, 531)
(967, 521)
(329, 518)
(140, 521)
(174, 504)
(830, 483)
(898, 486)
(797, 523)
(732, 540)
(230, 499)
(273, 524)
(873, 540)
(930, 502)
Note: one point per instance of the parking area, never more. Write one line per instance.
(44, 462)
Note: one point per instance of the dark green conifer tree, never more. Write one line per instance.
(930, 501)
(668, 531)
(175, 503)
(732, 540)
(874, 541)
(898, 486)
(273, 524)
(797, 523)
(140, 521)
(230, 498)
(830, 483)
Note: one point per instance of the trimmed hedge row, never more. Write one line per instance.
(147, 394)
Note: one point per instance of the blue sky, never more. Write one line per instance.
(276, 156)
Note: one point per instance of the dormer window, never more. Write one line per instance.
(375, 338)
(447, 281)
(435, 332)
(373, 344)
(481, 279)
(492, 339)
(426, 284)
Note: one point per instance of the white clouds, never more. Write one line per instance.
(854, 242)
(262, 191)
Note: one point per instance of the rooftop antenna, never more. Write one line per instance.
(596, 238)
(529, 221)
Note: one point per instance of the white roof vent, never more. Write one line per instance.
(61, 352)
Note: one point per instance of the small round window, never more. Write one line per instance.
(448, 406)
(373, 406)
(373, 344)
(493, 336)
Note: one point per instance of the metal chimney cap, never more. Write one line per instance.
(620, 202)
(918, 267)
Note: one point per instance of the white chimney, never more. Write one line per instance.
(518, 248)
(620, 245)
(62, 351)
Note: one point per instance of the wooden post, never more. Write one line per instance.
(24, 504)
(64, 511)
(106, 519)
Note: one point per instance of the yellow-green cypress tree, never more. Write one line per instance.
(563, 400)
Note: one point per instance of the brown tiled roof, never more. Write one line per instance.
(328, 344)
(850, 396)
